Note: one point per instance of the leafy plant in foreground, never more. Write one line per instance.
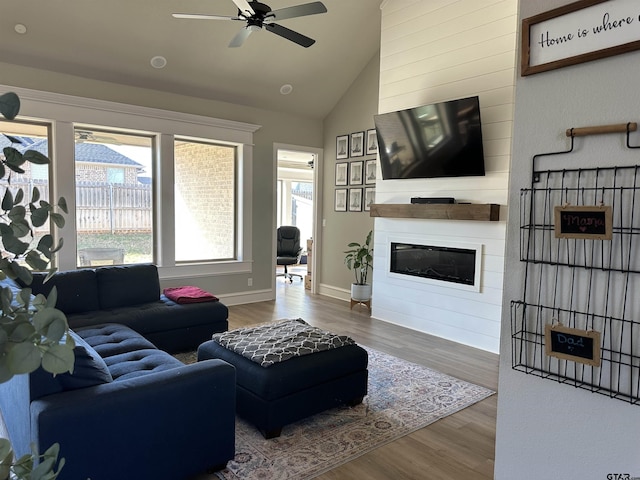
(33, 333)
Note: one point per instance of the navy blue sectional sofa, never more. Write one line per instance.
(131, 295)
(128, 411)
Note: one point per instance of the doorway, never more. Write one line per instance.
(297, 204)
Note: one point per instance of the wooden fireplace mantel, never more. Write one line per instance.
(488, 212)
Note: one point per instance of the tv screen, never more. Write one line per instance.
(439, 140)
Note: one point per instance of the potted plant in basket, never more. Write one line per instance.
(360, 260)
(33, 333)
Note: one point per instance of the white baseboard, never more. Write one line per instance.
(240, 298)
(334, 292)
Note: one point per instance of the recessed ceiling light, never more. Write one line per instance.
(20, 28)
(286, 89)
(158, 62)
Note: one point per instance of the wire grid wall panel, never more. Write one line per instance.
(586, 284)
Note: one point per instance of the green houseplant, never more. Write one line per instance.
(360, 259)
(33, 333)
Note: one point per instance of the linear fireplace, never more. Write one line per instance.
(458, 266)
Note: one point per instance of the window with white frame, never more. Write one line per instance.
(105, 124)
(115, 175)
(205, 201)
(114, 197)
(25, 136)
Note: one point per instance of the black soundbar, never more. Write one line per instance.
(433, 200)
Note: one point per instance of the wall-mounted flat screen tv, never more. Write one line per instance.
(439, 140)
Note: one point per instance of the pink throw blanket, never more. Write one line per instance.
(188, 294)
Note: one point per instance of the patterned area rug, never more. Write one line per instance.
(403, 397)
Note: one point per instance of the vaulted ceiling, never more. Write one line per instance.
(116, 40)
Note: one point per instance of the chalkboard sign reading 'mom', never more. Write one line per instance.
(584, 222)
(572, 344)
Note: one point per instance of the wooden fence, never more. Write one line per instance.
(106, 208)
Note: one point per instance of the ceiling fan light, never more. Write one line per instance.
(158, 62)
(253, 28)
(286, 89)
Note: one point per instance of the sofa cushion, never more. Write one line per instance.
(128, 365)
(125, 352)
(113, 339)
(89, 370)
(127, 285)
(158, 316)
(77, 289)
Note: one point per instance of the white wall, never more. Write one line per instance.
(277, 128)
(353, 113)
(547, 430)
(445, 50)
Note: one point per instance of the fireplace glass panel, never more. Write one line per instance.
(457, 265)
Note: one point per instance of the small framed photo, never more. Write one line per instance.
(342, 173)
(342, 147)
(355, 199)
(355, 173)
(372, 142)
(369, 198)
(340, 202)
(370, 171)
(357, 144)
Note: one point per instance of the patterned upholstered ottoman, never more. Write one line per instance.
(288, 370)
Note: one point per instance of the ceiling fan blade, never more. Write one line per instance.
(312, 8)
(240, 37)
(197, 16)
(244, 7)
(290, 34)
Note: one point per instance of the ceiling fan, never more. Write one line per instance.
(258, 16)
(83, 136)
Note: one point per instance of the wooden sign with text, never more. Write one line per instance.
(581, 346)
(579, 32)
(592, 222)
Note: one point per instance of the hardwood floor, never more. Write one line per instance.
(460, 446)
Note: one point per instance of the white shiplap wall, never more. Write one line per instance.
(432, 51)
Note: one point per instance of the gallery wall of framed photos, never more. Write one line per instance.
(355, 171)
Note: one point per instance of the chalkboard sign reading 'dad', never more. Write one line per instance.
(584, 222)
(572, 344)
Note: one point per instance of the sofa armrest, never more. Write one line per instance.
(168, 424)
